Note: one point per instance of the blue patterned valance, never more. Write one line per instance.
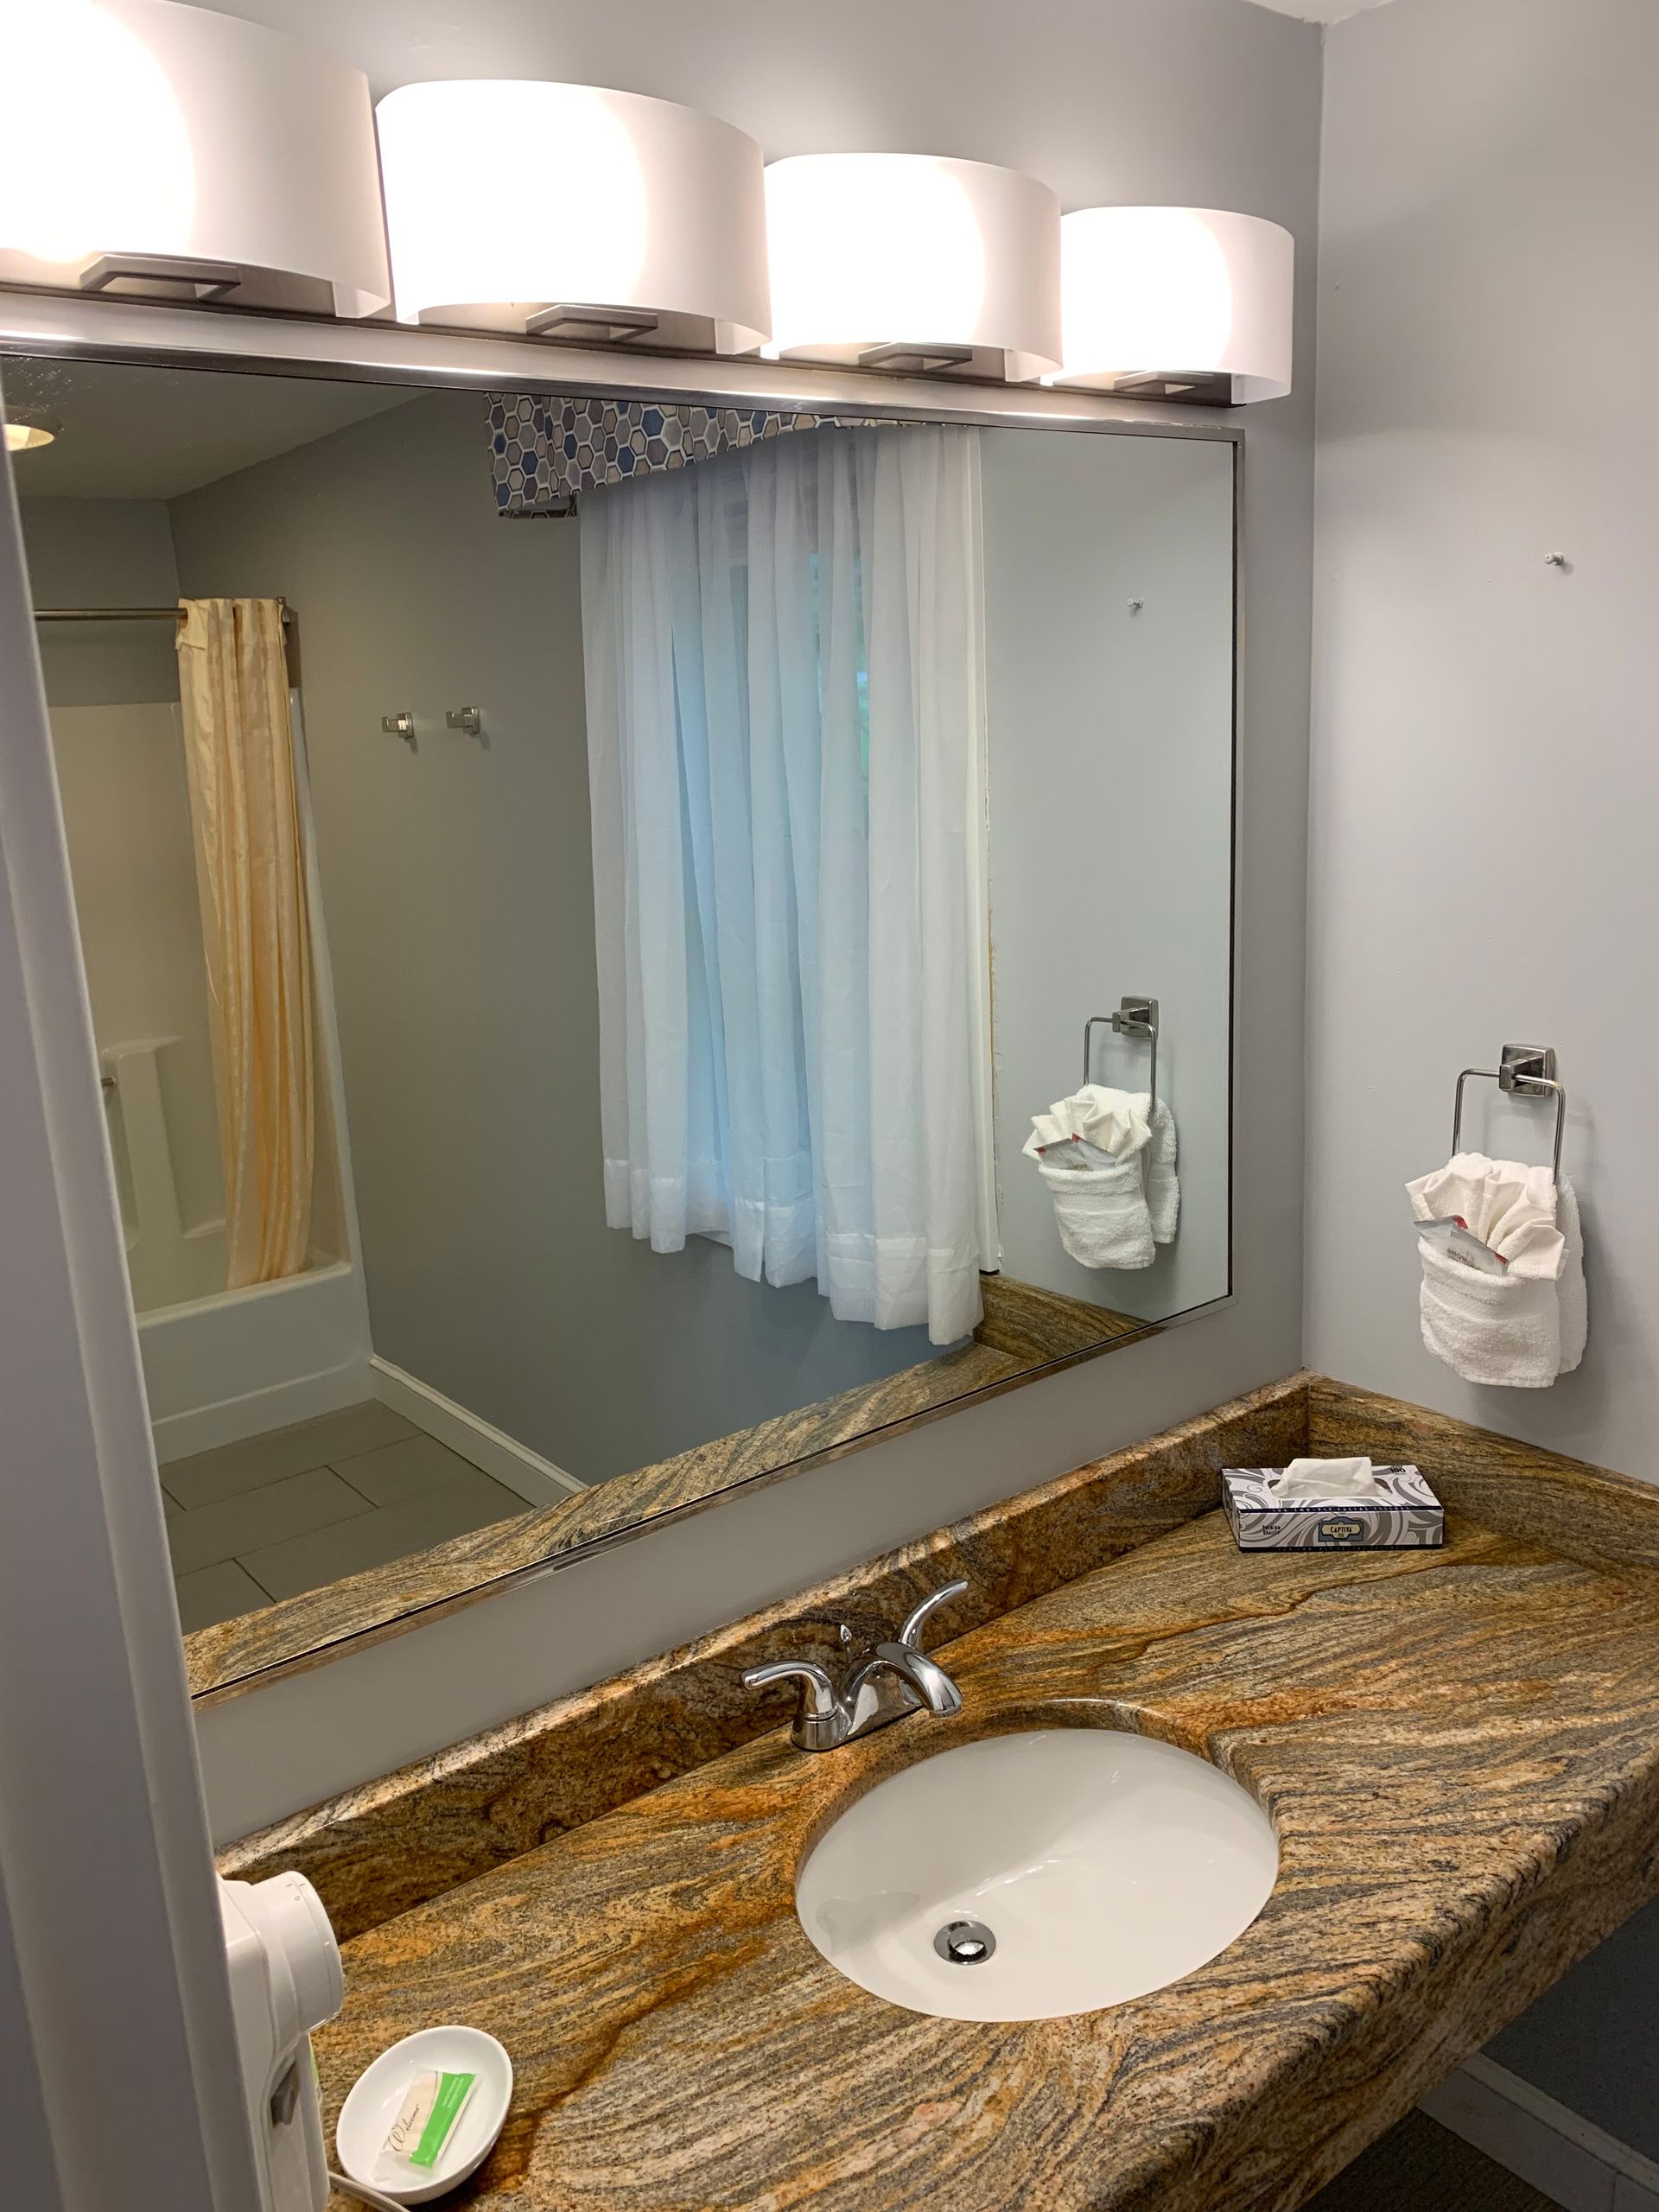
(545, 451)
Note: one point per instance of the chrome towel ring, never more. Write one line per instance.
(1525, 1071)
(1135, 1017)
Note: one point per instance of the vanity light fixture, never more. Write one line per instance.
(25, 430)
(1182, 304)
(912, 263)
(569, 213)
(164, 152)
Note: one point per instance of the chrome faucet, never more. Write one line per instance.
(896, 1678)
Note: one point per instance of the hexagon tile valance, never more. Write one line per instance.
(546, 452)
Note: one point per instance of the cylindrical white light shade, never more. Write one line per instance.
(905, 261)
(574, 213)
(1176, 302)
(168, 152)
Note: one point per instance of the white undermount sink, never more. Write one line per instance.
(1025, 1877)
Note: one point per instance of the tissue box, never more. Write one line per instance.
(1410, 1514)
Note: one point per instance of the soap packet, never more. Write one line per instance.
(1075, 1152)
(427, 2120)
(1452, 1236)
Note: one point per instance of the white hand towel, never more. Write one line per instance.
(1163, 1189)
(1100, 1213)
(1114, 1122)
(1575, 1308)
(1114, 1211)
(1523, 1328)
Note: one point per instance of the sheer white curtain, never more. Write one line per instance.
(785, 729)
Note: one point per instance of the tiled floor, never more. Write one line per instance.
(1420, 2166)
(300, 1507)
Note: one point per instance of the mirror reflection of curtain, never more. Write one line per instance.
(251, 876)
(784, 664)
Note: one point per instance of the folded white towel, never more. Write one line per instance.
(1118, 1200)
(1100, 1213)
(1114, 1122)
(1523, 1328)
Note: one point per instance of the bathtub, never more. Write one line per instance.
(240, 1362)
(219, 1364)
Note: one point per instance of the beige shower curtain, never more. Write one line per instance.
(251, 873)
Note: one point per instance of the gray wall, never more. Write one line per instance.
(1485, 779)
(102, 553)
(1210, 102)
(1111, 818)
(458, 895)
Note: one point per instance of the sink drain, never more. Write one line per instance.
(964, 1942)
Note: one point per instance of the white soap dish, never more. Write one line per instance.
(377, 2093)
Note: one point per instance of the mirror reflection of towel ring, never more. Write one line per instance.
(1135, 1017)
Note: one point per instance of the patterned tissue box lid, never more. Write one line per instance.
(1410, 1514)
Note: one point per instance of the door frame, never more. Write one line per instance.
(114, 1994)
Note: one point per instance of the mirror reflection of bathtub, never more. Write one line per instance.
(220, 1364)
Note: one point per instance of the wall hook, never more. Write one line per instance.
(1557, 561)
(401, 724)
(468, 720)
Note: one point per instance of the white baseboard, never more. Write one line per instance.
(202, 1428)
(1570, 2160)
(537, 1481)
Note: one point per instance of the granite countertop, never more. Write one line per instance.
(1459, 1750)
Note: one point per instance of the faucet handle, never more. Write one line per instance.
(910, 1634)
(819, 1696)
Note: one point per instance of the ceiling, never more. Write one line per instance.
(1319, 11)
(151, 434)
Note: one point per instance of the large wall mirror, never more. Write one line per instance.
(631, 946)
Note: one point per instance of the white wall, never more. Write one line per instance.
(112, 692)
(1110, 740)
(1485, 779)
(1485, 776)
(1198, 101)
(126, 812)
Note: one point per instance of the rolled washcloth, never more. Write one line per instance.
(1163, 1188)
(1107, 1160)
(1524, 1328)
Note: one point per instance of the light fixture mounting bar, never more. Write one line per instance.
(160, 276)
(579, 326)
(916, 360)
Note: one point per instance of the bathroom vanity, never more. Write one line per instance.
(1445, 1763)
(1457, 1750)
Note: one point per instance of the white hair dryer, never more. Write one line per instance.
(285, 1980)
